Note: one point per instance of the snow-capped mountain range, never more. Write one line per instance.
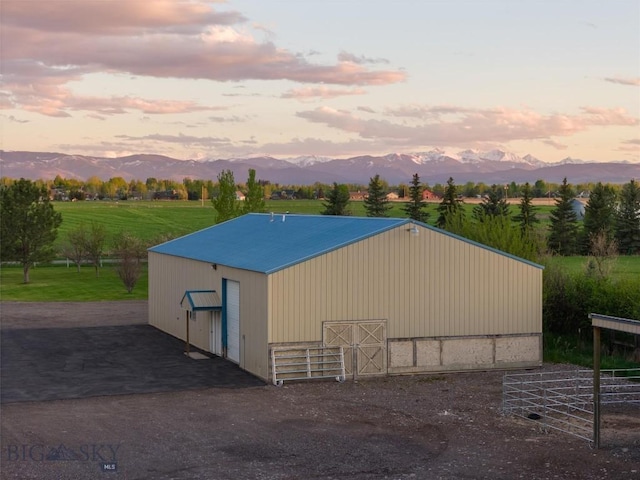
(494, 166)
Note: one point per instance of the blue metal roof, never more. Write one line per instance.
(267, 243)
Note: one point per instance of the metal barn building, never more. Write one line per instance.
(399, 296)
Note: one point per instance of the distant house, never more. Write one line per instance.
(358, 196)
(59, 194)
(239, 195)
(166, 195)
(429, 195)
(283, 195)
(392, 196)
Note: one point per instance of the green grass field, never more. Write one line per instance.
(150, 220)
(59, 283)
(624, 267)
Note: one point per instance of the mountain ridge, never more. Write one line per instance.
(434, 166)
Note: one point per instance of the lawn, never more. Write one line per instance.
(58, 284)
(624, 267)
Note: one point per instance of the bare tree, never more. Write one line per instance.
(603, 253)
(94, 246)
(75, 245)
(129, 252)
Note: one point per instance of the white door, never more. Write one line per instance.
(215, 338)
(233, 321)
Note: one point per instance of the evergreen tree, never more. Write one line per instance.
(627, 228)
(414, 208)
(337, 201)
(28, 225)
(376, 203)
(563, 237)
(526, 217)
(599, 215)
(226, 203)
(450, 204)
(493, 205)
(254, 199)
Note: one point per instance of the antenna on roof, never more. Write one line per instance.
(271, 217)
(283, 216)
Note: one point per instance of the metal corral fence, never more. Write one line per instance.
(563, 400)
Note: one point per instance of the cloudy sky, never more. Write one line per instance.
(339, 78)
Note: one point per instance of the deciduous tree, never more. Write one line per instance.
(75, 244)
(96, 238)
(225, 203)
(28, 225)
(129, 252)
(254, 199)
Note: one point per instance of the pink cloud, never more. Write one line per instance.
(156, 38)
(472, 125)
(556, 145)
(632, 145)
(321, 92)
(624, 81)
(349, 57)
(102, 18)
(181, 139)
(51, 99)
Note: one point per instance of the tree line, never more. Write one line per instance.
(611, 218)
(117, 188)
(611, 221)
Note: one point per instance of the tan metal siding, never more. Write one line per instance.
(430, 285)
(170, 276)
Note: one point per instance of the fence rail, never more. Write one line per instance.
(306, 363)
(563, 400)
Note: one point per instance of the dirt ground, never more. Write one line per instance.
(422, 427)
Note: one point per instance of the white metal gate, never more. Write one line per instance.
(233, 320)
(364, 343)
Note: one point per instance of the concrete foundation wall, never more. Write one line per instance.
(423, 355)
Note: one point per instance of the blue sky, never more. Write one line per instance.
(198, 79)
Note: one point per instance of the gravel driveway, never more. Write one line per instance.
(431, 426)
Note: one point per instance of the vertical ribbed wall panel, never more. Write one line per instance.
(429, 285)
